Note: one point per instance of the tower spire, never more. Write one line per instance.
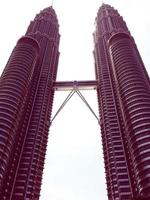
(52, 3)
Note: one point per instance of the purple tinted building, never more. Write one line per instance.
(124, 104)
(26, 97)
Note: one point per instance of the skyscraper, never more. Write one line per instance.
(124, 104)
(26, 97)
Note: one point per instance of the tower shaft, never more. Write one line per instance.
(30, 72)
(123, 95)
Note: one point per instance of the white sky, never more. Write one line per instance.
(74, 164)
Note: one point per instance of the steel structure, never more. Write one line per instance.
(27, 87)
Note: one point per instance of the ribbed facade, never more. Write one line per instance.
(26, 97)
(124, 104)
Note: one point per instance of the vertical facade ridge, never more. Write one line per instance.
(123, 95)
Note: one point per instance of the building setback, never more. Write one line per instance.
(124, 104)
(26, 97)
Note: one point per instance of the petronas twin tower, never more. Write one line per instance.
(26, 97)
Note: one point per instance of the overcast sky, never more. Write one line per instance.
(74, 164)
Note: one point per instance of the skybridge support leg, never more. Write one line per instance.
(75, 87)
